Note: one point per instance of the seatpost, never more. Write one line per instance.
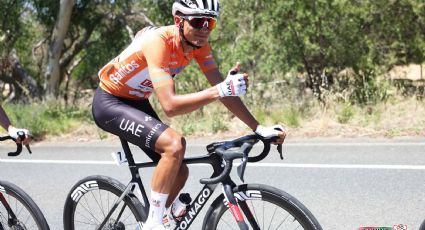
(134, 170)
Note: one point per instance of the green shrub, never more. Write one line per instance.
(346, 113)
(44, 120)
(291, 117)
(218, 125)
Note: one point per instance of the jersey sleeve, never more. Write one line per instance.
(157, 55)
(205, 58)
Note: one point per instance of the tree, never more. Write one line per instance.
(18, 83)
(52, 73)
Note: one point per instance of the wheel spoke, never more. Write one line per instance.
(276, 209)
(94, 206)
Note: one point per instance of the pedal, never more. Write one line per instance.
(119, 158)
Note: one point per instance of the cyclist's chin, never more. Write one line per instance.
(200, 41)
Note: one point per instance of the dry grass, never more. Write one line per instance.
(400, 117)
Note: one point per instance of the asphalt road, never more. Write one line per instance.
(346, 184)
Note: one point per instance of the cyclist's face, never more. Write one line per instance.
(197, 33)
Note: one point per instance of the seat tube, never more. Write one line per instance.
(234, 208)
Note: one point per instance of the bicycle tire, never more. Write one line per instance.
(422, 227)
(87, 191)
(290, 208)
(28, 214)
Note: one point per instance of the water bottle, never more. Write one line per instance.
(180, 205)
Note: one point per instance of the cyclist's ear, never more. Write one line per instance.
(178, 20)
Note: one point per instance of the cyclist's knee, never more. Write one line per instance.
(175, 149)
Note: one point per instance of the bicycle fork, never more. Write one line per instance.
(11, 219)
(127, 190)
(235, 209)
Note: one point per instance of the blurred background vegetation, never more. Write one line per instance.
(314, 65)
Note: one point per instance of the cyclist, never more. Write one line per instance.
(13, 132)
(149, 64)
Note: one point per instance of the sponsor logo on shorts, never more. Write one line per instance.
(131, 127)
(151, 134)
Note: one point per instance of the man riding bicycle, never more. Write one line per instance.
(13, 132)
(149, 64)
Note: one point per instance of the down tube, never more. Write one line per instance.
(196, 206)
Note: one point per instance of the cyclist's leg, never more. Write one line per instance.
(180, 179)
(129, 120)
(179, 182)
(183, 171)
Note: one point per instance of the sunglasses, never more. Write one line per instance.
(199, 22)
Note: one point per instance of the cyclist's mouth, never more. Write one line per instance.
(201, 38)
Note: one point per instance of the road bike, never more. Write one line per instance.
(17, 210)
(101, 202)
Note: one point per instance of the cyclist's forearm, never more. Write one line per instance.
(182, 104)
(236, 106)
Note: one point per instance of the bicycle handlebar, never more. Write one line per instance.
(18, 145)
(243, 146)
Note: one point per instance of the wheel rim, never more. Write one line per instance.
(93, 207)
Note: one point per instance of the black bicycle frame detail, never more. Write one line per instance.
(11, 215)
(198, 203)
(219, 165)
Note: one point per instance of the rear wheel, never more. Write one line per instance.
(90, 201)
(18, 210)
(264, 207)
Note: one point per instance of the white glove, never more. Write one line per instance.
(233, 85)
(269, 132)
(13, 132)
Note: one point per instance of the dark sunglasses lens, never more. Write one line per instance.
(199, 23)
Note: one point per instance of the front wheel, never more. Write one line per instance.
(18, 210)
(264, 207)
(92, 199)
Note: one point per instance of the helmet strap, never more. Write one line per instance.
(186, 40)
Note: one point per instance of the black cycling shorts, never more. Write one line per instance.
(133, 120)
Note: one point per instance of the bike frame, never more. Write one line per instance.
(201, 199)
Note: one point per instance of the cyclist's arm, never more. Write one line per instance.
(157, 55)
(233, 104)
(174, 104)
(4, 119)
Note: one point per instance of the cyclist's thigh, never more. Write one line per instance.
(135, 121)
(170, 139)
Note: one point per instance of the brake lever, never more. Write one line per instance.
(279, 149)
(28, 148)
(241, 168)
(22, 137)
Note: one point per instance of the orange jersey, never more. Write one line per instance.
(150, 61)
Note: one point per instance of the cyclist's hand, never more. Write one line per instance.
(235, 83)
(13, 132)
(272, 131)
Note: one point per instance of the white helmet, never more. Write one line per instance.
(197, 7)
